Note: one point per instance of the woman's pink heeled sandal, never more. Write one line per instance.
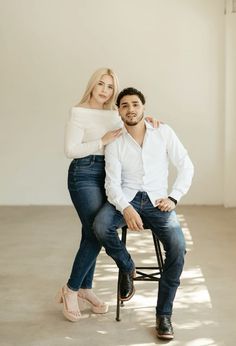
(70, 304)
(86, 298)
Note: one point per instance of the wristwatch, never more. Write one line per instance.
(173, 200)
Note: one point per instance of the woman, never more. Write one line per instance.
(93, 123)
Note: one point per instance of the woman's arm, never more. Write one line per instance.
(73, 145)
(75, 148)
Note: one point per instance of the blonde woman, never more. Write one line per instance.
(92, 124)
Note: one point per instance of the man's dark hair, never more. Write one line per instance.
(130, 91)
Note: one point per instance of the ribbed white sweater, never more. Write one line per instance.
(85, 128)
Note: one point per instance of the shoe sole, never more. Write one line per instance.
(85, 304)
(165, 337)
(128, 298)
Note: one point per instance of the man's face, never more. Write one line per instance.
(131, 110)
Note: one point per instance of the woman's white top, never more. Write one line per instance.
(85, 128)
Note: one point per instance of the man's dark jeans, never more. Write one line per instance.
(166, 227)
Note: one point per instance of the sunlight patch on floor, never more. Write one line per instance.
(201, 342)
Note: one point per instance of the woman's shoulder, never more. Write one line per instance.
(87, 110)
(79, 109)
(82, 116)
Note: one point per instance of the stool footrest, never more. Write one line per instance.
(147, 277)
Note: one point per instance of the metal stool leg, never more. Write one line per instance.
(158, 252)
(118, 303)
(118, 299)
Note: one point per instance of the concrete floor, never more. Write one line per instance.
(37, 246)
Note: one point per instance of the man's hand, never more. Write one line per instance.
(133, 219)
(165, 204)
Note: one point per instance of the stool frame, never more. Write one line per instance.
(141, 274)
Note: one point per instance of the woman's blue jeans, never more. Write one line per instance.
(167, 229)
(86, 186)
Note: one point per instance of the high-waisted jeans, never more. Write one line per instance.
(167, 229)
(86, 186)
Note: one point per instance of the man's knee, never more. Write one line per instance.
(174, 235)
(177, 240)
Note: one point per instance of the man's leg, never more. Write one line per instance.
(105, 228)
(168, 231)
(166, 227)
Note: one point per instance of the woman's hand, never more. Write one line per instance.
(154, 122)
(110, 136)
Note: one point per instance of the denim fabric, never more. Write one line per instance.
(166, 227)
(86, 186)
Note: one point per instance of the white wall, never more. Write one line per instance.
(230, 110)
(172, 50)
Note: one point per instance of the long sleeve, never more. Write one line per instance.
(85, 128)
(74, 145)
(180, 159)
(113, 187)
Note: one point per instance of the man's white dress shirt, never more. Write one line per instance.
(131, 168)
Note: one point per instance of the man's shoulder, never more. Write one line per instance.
(164, 132)
(117, 143)
(163, 129)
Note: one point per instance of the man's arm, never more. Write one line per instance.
(113, 188)
(180, 159)
(113, 177)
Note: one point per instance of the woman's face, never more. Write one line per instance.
(102, 91)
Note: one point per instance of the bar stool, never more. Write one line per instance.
(142, 273)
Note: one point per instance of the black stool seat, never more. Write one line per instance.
(144, 273)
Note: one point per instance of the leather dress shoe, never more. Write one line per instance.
(126, 286)
(164, 327)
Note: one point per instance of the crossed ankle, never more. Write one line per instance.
(70, 289)
(88, 294)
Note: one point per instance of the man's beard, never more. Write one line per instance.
(127, 122)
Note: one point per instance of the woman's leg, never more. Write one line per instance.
(88, 279)
(87, 202)
(86, 186)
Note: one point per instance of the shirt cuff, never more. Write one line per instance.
(121, 205)
(176, 195)
(125, 206)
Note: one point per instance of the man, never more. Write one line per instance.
(136, 186)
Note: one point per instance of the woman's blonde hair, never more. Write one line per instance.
(97, 75)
